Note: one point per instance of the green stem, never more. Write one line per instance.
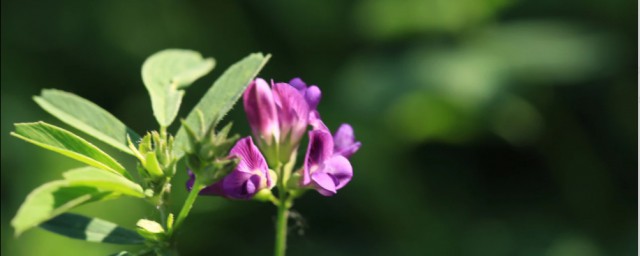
(281, 229)
(163, 206)
(283, 214)
(163, 132)
(188, 204)
(163, 209)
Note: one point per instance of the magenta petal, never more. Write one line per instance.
(340, 169)
(212, 190)
(324, 183)
(293, 111)
(316, 122)
(260, 107)
(250, 157)
(312, 95)
(344, 136)
(320, 149)
(252, 186)
(345, 143)
(350, 150)
(297, 83)
(240, 185)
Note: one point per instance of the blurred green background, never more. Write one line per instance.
(489, 127)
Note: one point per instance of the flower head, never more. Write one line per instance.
(250, 175)
(260, 107)
(293, 113)
(279, 115)
(345, 143)
(324, 170)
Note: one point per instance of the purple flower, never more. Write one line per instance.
(279, 114)
(260, 107)
(293, 113)
(345, 143)
(324, 170)
(311, 94)
(250, 175)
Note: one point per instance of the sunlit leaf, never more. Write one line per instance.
(91, 229)
(52, 199)
(101, 179)
(86, 116)
(221, 97)
(80, 186)
(66, 143)
(123, 253)
(166, 73)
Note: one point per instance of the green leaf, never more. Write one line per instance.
(98, 178)
(52, 199)
(87, 117)
(91, 229)
(152, 165)
(80, 186)
(219, 99)
(166, 73)
(123, 253)
(66, 143)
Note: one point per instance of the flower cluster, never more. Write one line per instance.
(279, 115)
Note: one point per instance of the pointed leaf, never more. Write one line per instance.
(52, 199)
(91, 229)
(152, 165)
(87, 117)
(219, 99)
(66, 143)
(166, 73)
(80, 186)
(101, 179)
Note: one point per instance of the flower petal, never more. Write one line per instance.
(324, 183)
(340, 169)
(293, 111)
(297, 83)
(312, 95)
(240, 185)
(345, 143)
(320, 149)
(316, 122)
(212, 190)
(251, 160)
(344, 136)
(260, 107)
(350, 150)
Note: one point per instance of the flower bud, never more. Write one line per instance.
(207, 152)
(155, 156)
(279, 116)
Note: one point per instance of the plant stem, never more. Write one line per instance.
(188, 204)
(163, 209)
(281, 228)
(163, 206)
(282, 215)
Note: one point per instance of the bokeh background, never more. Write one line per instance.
(490, 127)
